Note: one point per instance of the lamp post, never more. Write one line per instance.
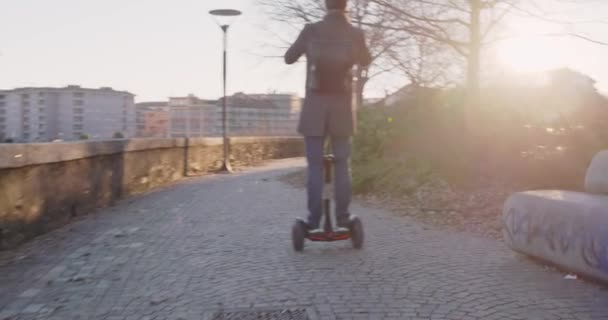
(224, 17)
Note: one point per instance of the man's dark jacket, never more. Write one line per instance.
(328, 114)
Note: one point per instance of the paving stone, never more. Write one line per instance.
(33, 308)
(29, 293)
(223, 242)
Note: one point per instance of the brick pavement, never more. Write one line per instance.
(224, 242)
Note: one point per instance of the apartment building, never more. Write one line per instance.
(262, 114)
(71, 113)
(193, 117)
(152, 119)
(247, 115)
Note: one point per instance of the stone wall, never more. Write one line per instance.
(44, 186)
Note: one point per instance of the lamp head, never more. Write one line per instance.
(225, 17)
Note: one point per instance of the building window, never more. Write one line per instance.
(2, 96)
(40, 126)
(25, 96)
(41, 94)
(2, 103)
(78, 102)
(78, 94)
(78, 118)
(2, 111)
(26, 127)
(41, 101)
(25, 104)
(2, 119)
(78, 111)
(77, 127)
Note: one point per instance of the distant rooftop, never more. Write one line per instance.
(241, 100)
(68, 87)
(192, 99)
(152, 104)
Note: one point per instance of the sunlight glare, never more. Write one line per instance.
(529, 54)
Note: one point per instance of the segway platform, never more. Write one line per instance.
(300, 231)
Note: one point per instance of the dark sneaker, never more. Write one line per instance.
(343, 223)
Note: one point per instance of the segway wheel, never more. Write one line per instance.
(356, 229)
(298, 233)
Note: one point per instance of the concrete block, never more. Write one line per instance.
(596, 180)
(569, 229)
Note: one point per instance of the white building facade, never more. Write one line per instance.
(247, 115)
(192, 117)
(69, 113)
(262, 114)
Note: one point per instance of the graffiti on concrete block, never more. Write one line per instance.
(521, 228)
(595, 251)
(558, 238)
(517, 226)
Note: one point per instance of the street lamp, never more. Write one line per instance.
(224, 17)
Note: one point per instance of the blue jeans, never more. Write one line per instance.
(341, 148)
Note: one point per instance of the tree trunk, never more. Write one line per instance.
(470, 110)
(359, 86)
(473, 68)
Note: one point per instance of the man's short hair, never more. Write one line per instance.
(335, 4)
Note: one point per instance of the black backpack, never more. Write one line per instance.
(331, 55)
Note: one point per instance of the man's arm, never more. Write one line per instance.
(298, 48)
(364, 57)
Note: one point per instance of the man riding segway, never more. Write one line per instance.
(332, 47)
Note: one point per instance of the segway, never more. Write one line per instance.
(300, 230)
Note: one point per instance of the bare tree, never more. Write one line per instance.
(386, 44)
(465, 26)
(425, 63)
(462, 25)
(412, 35)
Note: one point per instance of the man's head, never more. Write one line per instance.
(336, 4)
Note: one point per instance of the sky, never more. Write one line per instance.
(158, 48)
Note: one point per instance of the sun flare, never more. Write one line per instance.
(529, 54)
